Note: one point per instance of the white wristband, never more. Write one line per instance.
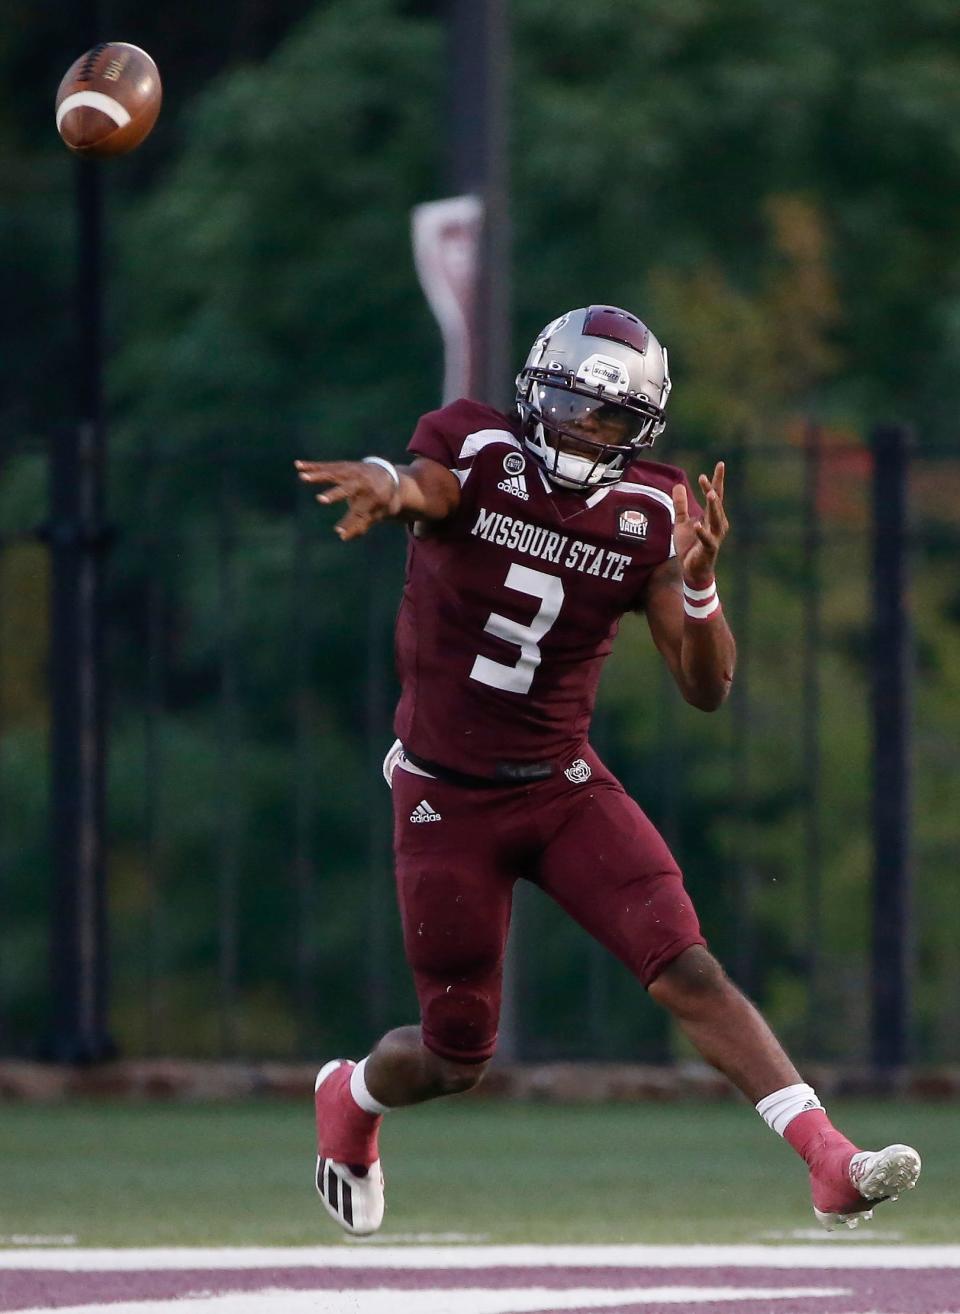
(700, 604)
(390, 468)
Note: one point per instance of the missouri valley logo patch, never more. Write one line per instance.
(633, 524)
(577, 772)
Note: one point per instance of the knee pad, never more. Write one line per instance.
(459, 1021)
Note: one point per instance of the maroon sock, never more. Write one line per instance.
(815, 1138)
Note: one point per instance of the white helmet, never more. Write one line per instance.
(593, 390)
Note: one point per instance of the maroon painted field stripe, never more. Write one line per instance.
(887, 1291)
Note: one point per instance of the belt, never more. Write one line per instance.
(505, 773)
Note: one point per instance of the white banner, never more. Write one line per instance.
(446, 252)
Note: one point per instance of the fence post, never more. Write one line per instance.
(305, 734)
(379, 809)
(891, 688)
(229, 839)
(5, 829)
(812, 767)
(153, 762)
(745, 877)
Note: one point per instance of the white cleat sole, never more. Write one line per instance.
(878, 1175)
(356, 1203)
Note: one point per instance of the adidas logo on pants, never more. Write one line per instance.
(424, 812)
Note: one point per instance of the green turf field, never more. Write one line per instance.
(231, 1174)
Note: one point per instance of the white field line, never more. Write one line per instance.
(419, 1238)
(459, 1301)
(831, 1254)
(39, 1240)
(872, 1236)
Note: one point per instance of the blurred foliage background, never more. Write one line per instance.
(774, 188)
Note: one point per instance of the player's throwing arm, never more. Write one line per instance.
(375, 489)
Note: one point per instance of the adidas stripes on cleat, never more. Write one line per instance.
(873, 1176)
(355, 1202)
(349, 1178)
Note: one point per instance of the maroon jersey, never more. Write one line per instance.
(511, 606)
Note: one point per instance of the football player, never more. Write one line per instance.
(529, 537)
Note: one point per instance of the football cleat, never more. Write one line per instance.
(875, 1176)
(349, 1178)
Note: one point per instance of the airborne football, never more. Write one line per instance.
(108, 100)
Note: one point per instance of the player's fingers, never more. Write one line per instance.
(705, 484)
(715, 517)
(319, 472)
(356, 529)
(680, 501)
(338, 494)
(301, 463)
(705, 537)
(352, 525)
(316, 477)
(719, 475)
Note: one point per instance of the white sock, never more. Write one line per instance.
(358, 1089)
(779, 1109)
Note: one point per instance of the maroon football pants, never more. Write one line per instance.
(459, 852)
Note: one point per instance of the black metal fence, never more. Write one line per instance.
(250, 682)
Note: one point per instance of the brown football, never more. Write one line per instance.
(108, 100)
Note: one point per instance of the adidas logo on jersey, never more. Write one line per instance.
(515, 484)
(424, 812)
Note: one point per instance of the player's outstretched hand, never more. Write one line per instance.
(698, 541)
(368, 489)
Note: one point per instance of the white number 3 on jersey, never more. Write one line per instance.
(519, 677)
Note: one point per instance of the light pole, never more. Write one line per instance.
(479, 57)
(78, 540)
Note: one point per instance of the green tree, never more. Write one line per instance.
(774, 188)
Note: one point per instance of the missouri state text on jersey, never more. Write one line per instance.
(510, 606)
(548, 545)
